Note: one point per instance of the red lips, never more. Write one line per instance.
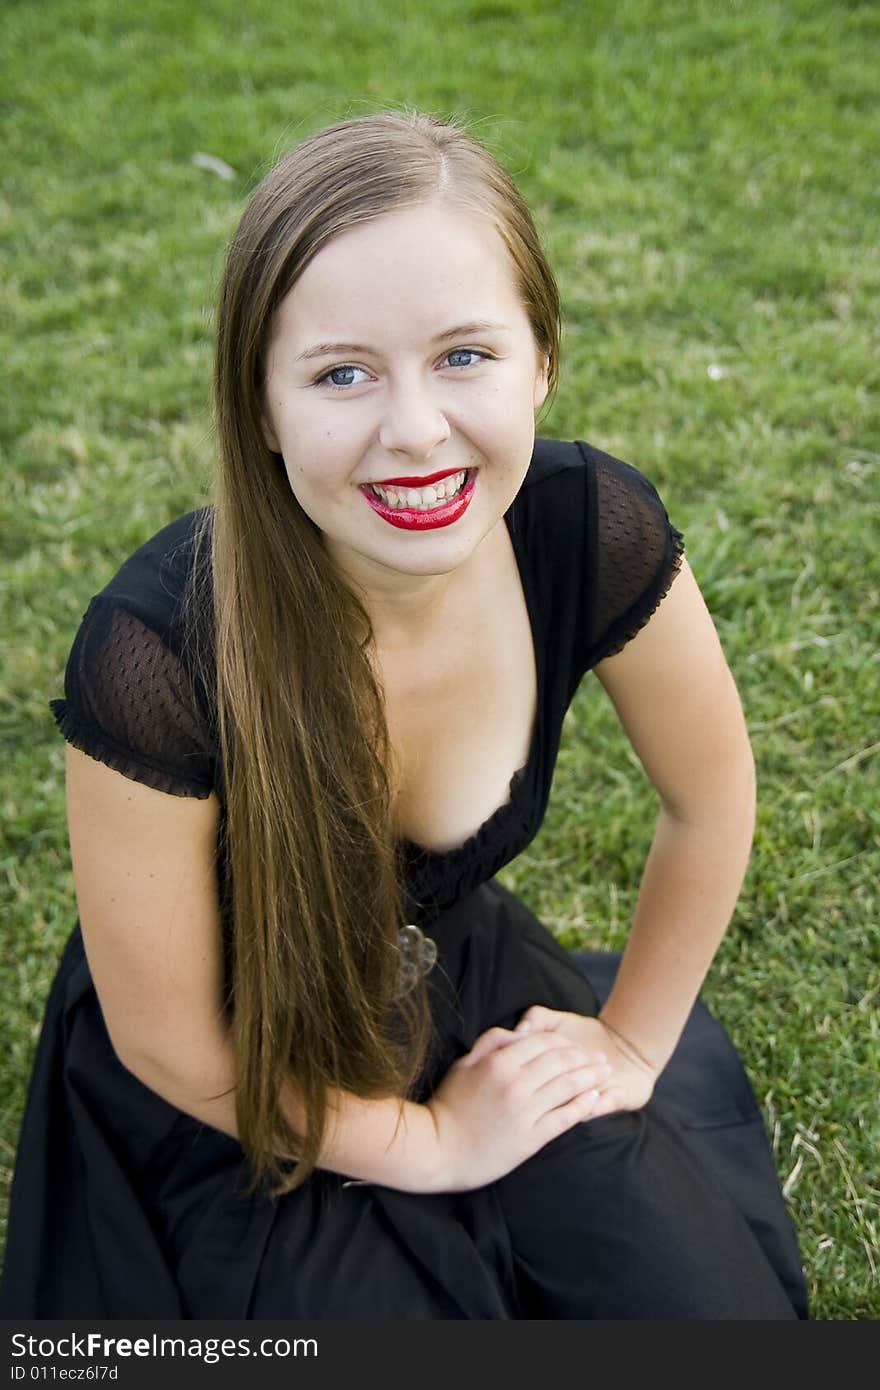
(418, 482)
(410, 519)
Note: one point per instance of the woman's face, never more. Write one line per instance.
(403, 351)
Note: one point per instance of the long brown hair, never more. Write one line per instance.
(315, 892)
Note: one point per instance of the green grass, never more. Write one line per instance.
(704, 175)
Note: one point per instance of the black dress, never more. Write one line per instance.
(123, 1206)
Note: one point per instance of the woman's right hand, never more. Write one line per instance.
(508, 1097)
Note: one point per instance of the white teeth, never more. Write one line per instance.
(423, 498)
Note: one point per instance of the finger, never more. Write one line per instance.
(564, 1077)
(488, 1043)
(495, 1038)
(539, 1017)
(524, 1050)
(575, 1081)
(560, 1051)
(564, 1117)
(521, 1048)
(609, 1102)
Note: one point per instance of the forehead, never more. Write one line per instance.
(410, 269)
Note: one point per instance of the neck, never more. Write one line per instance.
(403, 608)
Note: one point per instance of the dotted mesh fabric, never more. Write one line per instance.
(638, 555)
(130, 703)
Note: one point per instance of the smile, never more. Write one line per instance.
(423, 508)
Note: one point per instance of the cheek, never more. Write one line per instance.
(505, 424)
(490, 412)
(315, 469)
(318, 447)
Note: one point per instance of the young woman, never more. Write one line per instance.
(304, 1056)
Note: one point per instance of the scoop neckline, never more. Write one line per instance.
(507, 808)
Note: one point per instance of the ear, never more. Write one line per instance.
(542, 381)
(269, 434)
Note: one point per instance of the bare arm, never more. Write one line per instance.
(144, 868)
(677, 701)
(146, 888)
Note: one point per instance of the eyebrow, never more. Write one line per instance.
(461, 330)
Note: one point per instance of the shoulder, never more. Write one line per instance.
(577, 493)
(152, 583)
(554, 456)
(575, 462)
(137, 684)
(558, 469)
(546, 512)
(599, 524)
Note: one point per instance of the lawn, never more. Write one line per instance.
(705, 179)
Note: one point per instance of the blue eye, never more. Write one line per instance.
(326, 379)
(465, 352)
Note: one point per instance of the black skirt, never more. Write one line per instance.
(123, 1206)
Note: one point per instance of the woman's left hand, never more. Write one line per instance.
(630, 1083)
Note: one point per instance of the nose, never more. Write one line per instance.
(413, 423)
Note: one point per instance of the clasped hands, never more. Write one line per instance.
(630, 1078)
(622, 1079)
(519, 1088)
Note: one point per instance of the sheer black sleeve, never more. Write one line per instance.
(130, 703)
(633, 554)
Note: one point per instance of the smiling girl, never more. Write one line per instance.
(304, 1056)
